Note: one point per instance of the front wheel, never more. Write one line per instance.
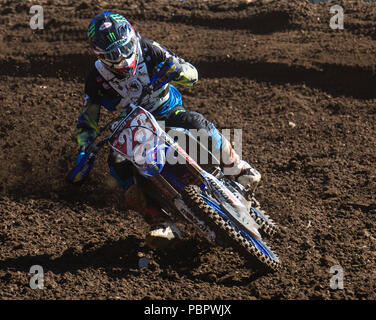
(209, 210)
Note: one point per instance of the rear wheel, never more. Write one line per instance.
(208, 210)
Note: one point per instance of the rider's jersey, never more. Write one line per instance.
(104, 88)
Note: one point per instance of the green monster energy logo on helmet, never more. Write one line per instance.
(118, 18)
(111, 36)
(91, 31)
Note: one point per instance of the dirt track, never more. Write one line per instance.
(303, 94)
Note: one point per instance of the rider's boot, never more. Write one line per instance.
(240, 170)
(163, 232)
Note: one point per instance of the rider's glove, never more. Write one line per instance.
(169, 72)
(84, 162)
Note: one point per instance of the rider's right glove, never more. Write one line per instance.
(84, 162)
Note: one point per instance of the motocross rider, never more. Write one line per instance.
(125, 64)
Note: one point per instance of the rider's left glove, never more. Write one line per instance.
(84, 162)
(168, 72)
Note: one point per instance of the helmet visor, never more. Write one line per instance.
(119, 53)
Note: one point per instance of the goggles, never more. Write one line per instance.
(118, 54)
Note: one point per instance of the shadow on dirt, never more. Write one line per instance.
(70, 196)
(261, 23)
(119, 260)
(46, 66)
(352, 81)
(176, 256)
(116, 258)
(335, 79)
(185, 259)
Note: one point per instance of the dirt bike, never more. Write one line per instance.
(218, 207)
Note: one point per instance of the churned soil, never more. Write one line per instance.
(304, 96)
